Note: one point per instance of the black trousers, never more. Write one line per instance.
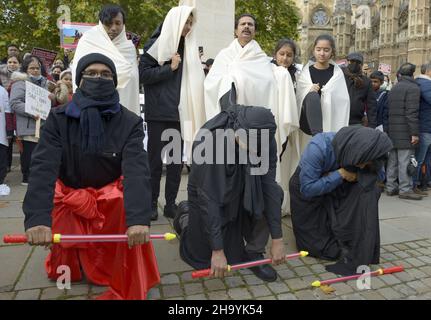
(311, 121)
(28, 148)
(3, 162)
(173, 171)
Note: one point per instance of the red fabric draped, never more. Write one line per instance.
(129, 273)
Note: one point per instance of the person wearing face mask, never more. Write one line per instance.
(334, 197)
(172, 75)
(109, 38)
(363, 109)
(55, 73)
(31, 70)
(90, 175)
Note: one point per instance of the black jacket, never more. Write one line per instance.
(162, 86)
(403, 106)
(58, 155)
(362, 100)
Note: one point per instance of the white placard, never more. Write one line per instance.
(37, 102)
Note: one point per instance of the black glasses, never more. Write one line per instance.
(94, 74)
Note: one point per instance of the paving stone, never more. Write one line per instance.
(170, 279)
(176, 298)
(353, 296)
(170, 291)
(52, 293)
(318, 268)
(326, 276)
(416, 273)
(78, 290)
(28, 295)
(295, 263)
(412, 245)
(403, 263)
(286, 274)
(193, 288)
(239, 294)
(427, 282)
(415, 253)
(390, 248)
(7, 295)
(12, 260)
(197, 297)
(78, 298)
(341, 288)
(402, 254)
(389, 279)
(296, 284)
(187, 277)
(214, 284)
(372, 295)
(425, 259)
(425, 251)
(218, 295)
(388, 256)
(404, 290)
(404, 276)
(286, 296)
(278, 287)
(153, 294)
(426, 269)
(377, 283)
(303, 271)
(252, 280)
(234, 282)
(389, 293)
(422, 243)
(267, 298)
(305, 295)
(310, 260)
(320, 295)
(245, 271)
(401, 246)
(426, 296)
(260, 291)
(419, 286)
(98, 289)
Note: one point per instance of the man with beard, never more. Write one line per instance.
(334, 197)
(89, 158)
(229, 203)
(363, 109)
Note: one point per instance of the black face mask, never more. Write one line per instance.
(56, 77)
(97, 88)
(354, 67)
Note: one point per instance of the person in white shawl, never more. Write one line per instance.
(321, 92)
(109, 38)
(258, 82)
(173, 78)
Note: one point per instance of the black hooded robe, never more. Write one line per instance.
(216, 196)
(343, 223)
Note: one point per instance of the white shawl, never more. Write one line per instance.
(123, 53)
(191, 106)
(258, 83)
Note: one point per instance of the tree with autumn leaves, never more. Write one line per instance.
(32, 23)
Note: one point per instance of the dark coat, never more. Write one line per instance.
(425, 105)
(58, 155)
(362, 100)
(162, 86)
(382, 109)
(403, 105)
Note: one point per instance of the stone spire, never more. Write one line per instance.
(342, 6)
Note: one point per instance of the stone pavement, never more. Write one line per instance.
(405, 233)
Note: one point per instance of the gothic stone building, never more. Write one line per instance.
(388, 32)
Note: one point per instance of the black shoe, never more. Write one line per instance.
(181, 219)
(154, 212)
(170, 211)
(264, 272)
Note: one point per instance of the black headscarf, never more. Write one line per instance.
(223, 184)
(93, 98)
(357, 145)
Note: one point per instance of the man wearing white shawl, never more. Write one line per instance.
(109, 38)
(258, 82)
(173, 77)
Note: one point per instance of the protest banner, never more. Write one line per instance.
(385, 68)
(70, 33)
(46, 56)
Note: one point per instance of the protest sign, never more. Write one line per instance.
(37, 102)
(385, 68)
(70, 33)
(46, 56)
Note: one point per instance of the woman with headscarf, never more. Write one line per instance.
(230, 198)
(334, 197)
(90, 175)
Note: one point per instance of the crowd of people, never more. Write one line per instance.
(333, 139)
